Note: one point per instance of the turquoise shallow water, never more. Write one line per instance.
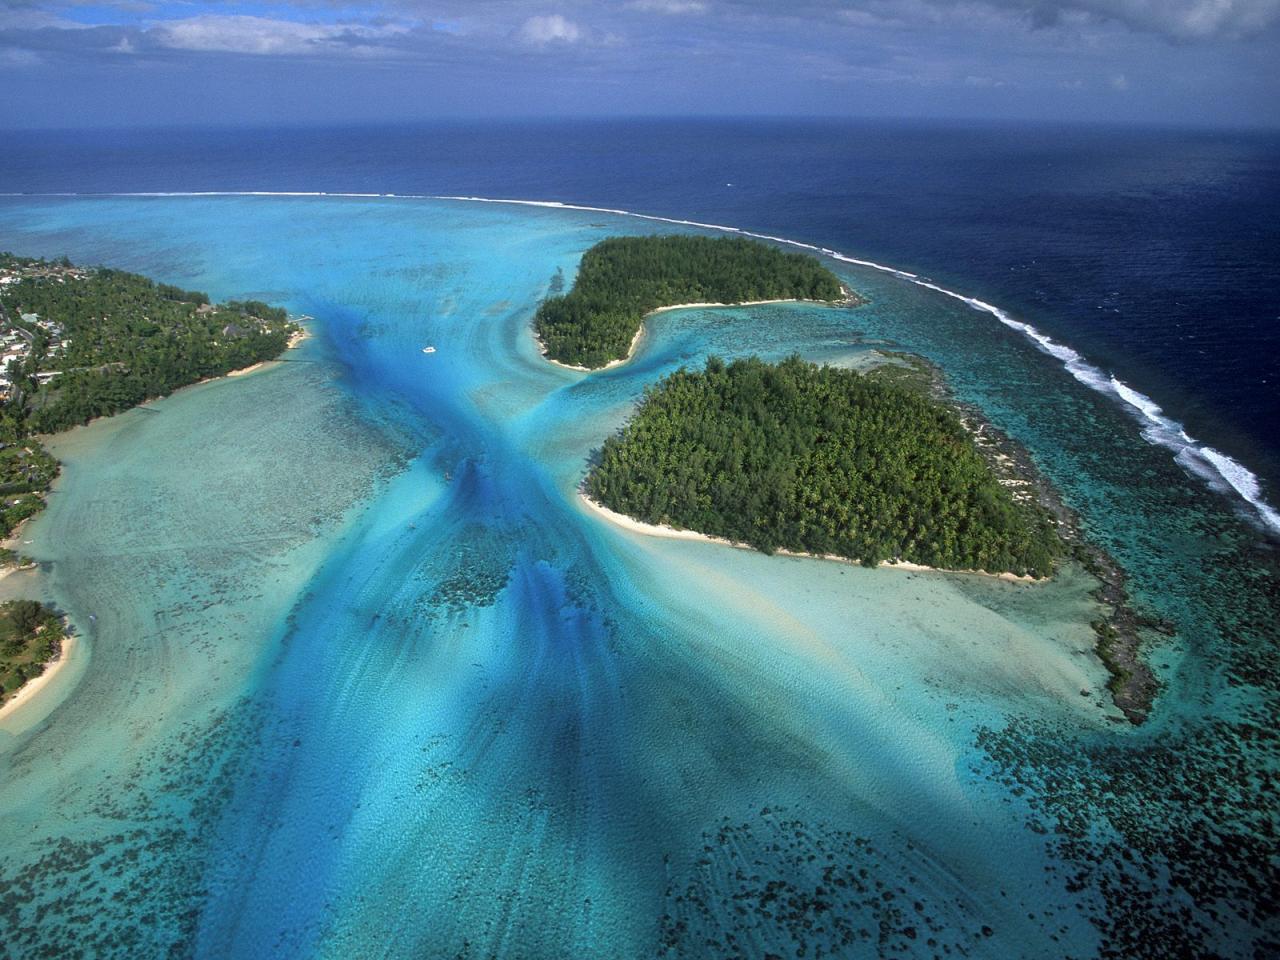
(363, 678)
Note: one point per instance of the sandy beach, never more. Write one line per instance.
(29, 690)
(631, 351)
(13, 542)
(294, 340)
(673, 533)
(32, 687)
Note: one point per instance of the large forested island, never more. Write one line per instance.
(92, 342)
(79, 343)
(819, 460)
(623, 278)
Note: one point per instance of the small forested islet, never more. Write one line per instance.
(621, 279)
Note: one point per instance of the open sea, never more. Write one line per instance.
(358, 676)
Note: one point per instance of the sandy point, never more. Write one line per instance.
(295, 339)
(28, 699)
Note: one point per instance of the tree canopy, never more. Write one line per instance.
(117, 339)
(31, 634)
(623, 278)
(91, 342)
(818, 460)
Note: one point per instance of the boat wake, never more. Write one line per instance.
(1219, 471)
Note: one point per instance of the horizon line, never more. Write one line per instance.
(471, 120)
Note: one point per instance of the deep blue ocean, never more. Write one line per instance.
(1154, 253)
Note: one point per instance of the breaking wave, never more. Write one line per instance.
(1219, 471)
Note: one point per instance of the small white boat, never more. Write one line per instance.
(428, 349)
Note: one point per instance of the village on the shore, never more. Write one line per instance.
(18, 333)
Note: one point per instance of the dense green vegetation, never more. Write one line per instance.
(94, 342)
(117, 339)
(623, 278)
(26, 470)
(818, 460)
(31, 634)
(86, 343)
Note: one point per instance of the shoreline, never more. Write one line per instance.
(295, 340)
(850, 299)
(1119, 642)
(28, 692)
(635, 341)
(14, 539)
(675, 533)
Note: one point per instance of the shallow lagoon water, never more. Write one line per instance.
(366, 679)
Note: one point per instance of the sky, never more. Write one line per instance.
(75, 63)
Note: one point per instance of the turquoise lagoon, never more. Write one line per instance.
(361, 677)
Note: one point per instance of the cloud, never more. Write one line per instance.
(1180, 20)
(550, 28)
(16, 58)
(21, 17)
(1176, 19)
(1120, 82)
(675, 7)
(265, 36)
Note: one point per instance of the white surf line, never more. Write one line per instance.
(1221, 472)
(231, 193)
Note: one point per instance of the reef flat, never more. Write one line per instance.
(386, 685)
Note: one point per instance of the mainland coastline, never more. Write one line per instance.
(28, 695)
(295, 340)
(42, 319)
